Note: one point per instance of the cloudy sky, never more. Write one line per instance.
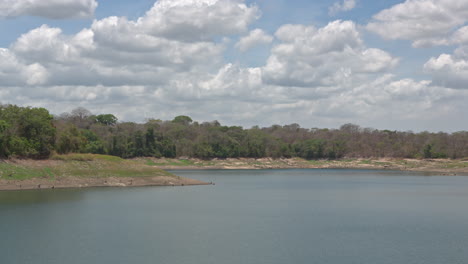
(385, 64)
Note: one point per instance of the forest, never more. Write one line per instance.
(28, 132)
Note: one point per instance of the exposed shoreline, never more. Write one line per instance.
(75, 182)
(107, 171)
(439, 166)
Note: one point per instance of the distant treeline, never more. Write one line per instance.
(35, 133)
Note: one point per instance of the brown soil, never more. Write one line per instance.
(439, 166)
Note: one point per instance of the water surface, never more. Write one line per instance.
(249, 216)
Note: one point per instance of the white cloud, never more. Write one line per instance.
(383, 101)
(460, 36)
(123, 40)
(15, 72)
(171, 61)
(337, 7)
(55, 9)
(425, 22)
(196, 20)
(449, 70)
(430, 23)
(328, 56)
(255, 37)
(153, 49)
(46, 45)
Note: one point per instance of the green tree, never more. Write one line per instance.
(26, 131)
(4, 138)
(70, 140)
(182, 119)
(427, 151)
(106, 119)
(311, 149)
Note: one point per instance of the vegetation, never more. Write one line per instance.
(34, 133)
(77, 165)
(26, 132)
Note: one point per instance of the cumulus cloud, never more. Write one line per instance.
(15, 72)
(460, 36)
(328, 56)
(195, 20)
(337, 7)
(256, 37)
(449, 70)
(173, 58)
(425, 22)
(386, 100)
(55, 9)
(46, 45)
(430, 23)
(233, 81)
(134, 44)
(152, 49)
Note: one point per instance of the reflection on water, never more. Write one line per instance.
(25, 197)
(252, 216)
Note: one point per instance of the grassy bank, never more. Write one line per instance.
(82, 170)
(76, 165)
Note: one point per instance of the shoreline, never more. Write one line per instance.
(437, 172)
(443, 167)
(75, 182)
(82, 171)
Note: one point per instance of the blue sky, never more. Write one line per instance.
(382, 64)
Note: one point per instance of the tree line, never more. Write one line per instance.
(27, 132)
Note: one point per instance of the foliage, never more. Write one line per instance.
(185, 120)
(32, 132)
(107, 119)
(26, 132)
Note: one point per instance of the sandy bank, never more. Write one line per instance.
(439, 166)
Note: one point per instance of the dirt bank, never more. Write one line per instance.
(441, 166)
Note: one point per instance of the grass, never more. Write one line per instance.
(15, 172)
(186, 162)
(457, 165)
(318, 162)
(170, 162)
(85, 157)
(379, 163)
(77, 165)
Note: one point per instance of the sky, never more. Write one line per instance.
(385, 64)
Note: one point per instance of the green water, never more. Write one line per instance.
(252, 216)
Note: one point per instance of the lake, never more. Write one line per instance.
(249, 216)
